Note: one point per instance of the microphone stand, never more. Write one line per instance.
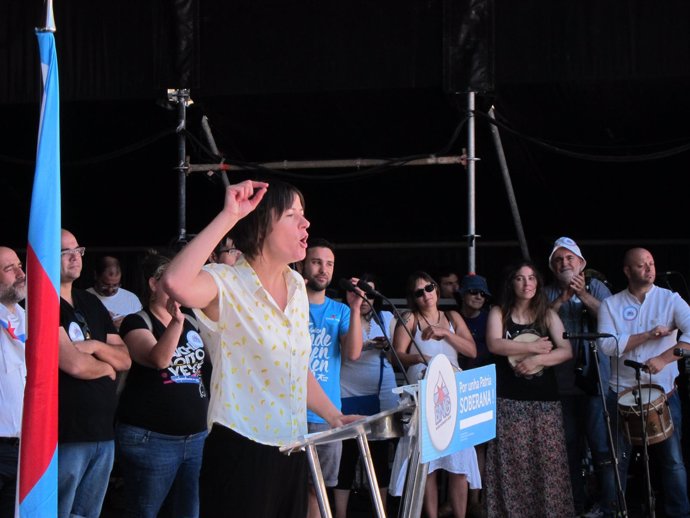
(620, 495)
(645, 453)
(400, 320)
(388, 347)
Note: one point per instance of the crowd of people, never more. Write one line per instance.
(237, 348)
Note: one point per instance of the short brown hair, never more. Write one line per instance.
(250, 232)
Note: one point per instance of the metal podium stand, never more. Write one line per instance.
(359, 430)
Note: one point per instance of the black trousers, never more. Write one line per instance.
(241, 478)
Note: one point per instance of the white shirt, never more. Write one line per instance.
(123, 303)
(259, 354)
(361, 377)
(622, 315)
(12, 370)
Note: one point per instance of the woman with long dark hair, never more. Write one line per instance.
(526, 465)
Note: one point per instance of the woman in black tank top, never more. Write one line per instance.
(526, 465)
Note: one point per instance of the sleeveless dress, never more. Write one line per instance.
(463, 462)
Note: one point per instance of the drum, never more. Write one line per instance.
(527, 335)
(657, 415)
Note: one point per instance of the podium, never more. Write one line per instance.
(372, 427)
(447, 411)
(377, 426)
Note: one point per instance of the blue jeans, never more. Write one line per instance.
(583, 416)
(83, 475)
(668, 453)
(157, 469)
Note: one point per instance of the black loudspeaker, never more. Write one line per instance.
(176, 43)
(468, 46)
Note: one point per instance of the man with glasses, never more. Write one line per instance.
(225, 252)
(12, 373)
(577, 300)
(108, 288)
(91, 355)
(336, 332)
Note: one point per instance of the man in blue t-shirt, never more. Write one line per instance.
(336, 332)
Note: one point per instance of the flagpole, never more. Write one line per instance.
(49, 19)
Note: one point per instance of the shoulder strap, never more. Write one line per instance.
(193, 321)
(146, 318)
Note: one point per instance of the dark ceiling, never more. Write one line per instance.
(593, 97)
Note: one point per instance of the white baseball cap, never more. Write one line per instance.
(568, 244)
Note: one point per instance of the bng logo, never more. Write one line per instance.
(442, 403)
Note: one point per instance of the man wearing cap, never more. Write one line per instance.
(642, 324)
(473, 299)
(577, 298)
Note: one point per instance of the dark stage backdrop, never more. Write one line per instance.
(322, 80)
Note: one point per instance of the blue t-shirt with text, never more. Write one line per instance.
(328, 322)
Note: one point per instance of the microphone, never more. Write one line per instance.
(667, 274)
(636, 365)
(586, 336)
(347, 285)
(681, 353)
(366, 288)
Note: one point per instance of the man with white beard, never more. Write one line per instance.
(577, 298)
(12, 373)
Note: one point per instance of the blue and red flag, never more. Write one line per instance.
(37, 488)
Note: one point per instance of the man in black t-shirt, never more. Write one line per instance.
(91, 354)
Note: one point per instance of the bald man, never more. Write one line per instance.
(643, 321)
(12, 373)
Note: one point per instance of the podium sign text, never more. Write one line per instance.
(458, 409)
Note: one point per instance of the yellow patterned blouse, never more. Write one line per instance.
(259, 355)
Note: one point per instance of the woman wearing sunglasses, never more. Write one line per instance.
(437, 332)
(526, 465)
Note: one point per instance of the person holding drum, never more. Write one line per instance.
(437, 332)
(642, 322)
(526, 471)
(577, 297)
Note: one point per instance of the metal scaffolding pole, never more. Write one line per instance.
(181, 97)
(323, 164)
(509, 187)
(471, 199)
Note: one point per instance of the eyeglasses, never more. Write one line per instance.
(420, 292)
(82, 323)
(231, 251)
(73, 251)
(109, 287)
(477, 292)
